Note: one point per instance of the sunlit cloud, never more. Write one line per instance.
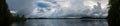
(13, 12)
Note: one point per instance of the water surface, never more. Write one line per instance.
(62, 22)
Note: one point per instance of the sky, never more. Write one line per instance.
(58, 8)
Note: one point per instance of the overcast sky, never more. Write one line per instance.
(57, 8)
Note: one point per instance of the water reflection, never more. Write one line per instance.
(64, 22)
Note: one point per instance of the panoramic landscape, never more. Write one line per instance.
(59, 12)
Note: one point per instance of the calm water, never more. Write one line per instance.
(62, 22)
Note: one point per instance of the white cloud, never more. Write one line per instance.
(13, 12)
(57, 8)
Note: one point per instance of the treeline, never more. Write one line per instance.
(6, 17)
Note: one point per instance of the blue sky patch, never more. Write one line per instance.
(42, 5)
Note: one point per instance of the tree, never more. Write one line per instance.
(23, 16)
(6, 17)
(114, 13)
(4, 12)
(4, 9)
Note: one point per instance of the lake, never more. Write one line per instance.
(62, 22)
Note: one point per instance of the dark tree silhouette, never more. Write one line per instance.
(4, 13)
(114, 13)
(6, 17)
